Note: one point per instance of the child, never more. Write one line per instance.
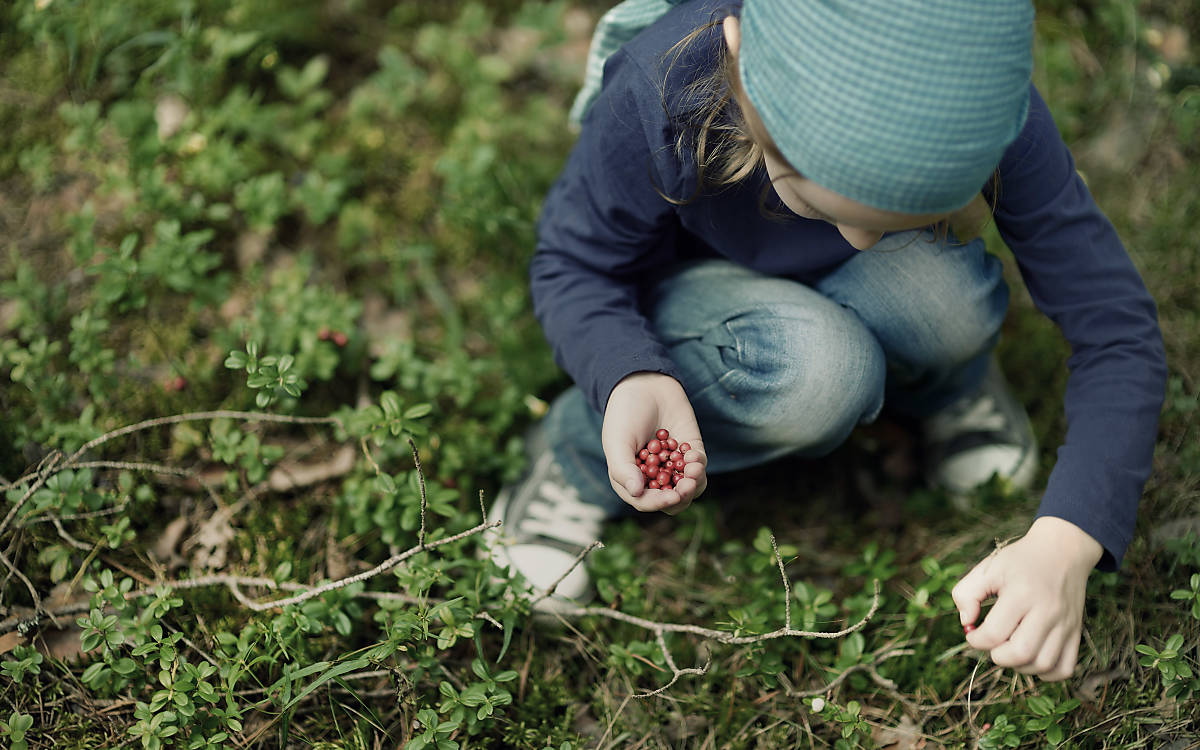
(767, 232)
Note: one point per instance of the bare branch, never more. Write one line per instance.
(721, 636)
(787, 586)
(132, 466)
(78, 516)
(421, 482)
(68, 538)
(46, 469)
(676, 672)
(575, 564)
(382, 567)
(37, 600)
(247, 416)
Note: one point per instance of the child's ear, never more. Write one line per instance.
(733, 34)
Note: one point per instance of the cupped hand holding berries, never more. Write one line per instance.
(640, 405)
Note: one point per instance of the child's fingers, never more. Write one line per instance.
(1049, 658)
(1066, 660)
(971, 591)
(631, 479)
(999, 626)
(1034, 649)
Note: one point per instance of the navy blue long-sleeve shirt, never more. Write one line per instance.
(606, 228)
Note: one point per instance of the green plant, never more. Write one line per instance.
(15, 729)
(1190, 595)
(1048, 717)
(1177, 676)
(26, 660)
(852, 730)
(271, 376)
(1002, 733)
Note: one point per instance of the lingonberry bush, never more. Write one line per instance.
(266, 354)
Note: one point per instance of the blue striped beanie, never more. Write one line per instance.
(902, 105)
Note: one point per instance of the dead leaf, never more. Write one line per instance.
(9, 309)
(60, 644)
(1091, 686)
(64, 595)
(169, 113)
(337, 562)
(164, 549)
(251, 247)
(383, 324)
(290, 475)
(687, 726)
(905, 736)
(1175, 529)
(1175, 48)
(10, 640)
(208, 546)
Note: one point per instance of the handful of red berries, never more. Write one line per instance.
(661, 460)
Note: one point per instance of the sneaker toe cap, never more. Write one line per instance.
(541, 566)
(969, 469)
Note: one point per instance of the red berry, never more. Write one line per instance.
(643, 453)
(653, 459)
(968, 628)
(684, 447)
(664, 477)
(654, 446)
(340, 339)
(672, 444)
(664, 456)
(654, 484)
(324, 334)
(676, 456)
(662, 433)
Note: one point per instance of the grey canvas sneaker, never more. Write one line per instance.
(985, 433)
(546, 526)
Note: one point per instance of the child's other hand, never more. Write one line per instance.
(1039, 582)
(639, 405)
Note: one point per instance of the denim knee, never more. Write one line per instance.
(785, 379)
(931, 304)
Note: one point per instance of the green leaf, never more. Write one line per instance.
(391, 404)
(91, 672)
(510, 619)
(1174, 642)
(336, 671)
(417, 411)
(124, 666)
(1041, 705)
(1054, 734)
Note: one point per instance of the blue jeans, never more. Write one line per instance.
(773, 367)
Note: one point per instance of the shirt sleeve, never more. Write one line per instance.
(604, 225)
(1079, 275)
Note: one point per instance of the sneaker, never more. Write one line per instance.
(986, 433)
(546, 527)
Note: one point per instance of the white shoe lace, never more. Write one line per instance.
(983, 415)
(559, 514)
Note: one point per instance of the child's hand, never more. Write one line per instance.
(1039, 582)
(637, 407)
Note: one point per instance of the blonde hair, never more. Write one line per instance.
(729, 141)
